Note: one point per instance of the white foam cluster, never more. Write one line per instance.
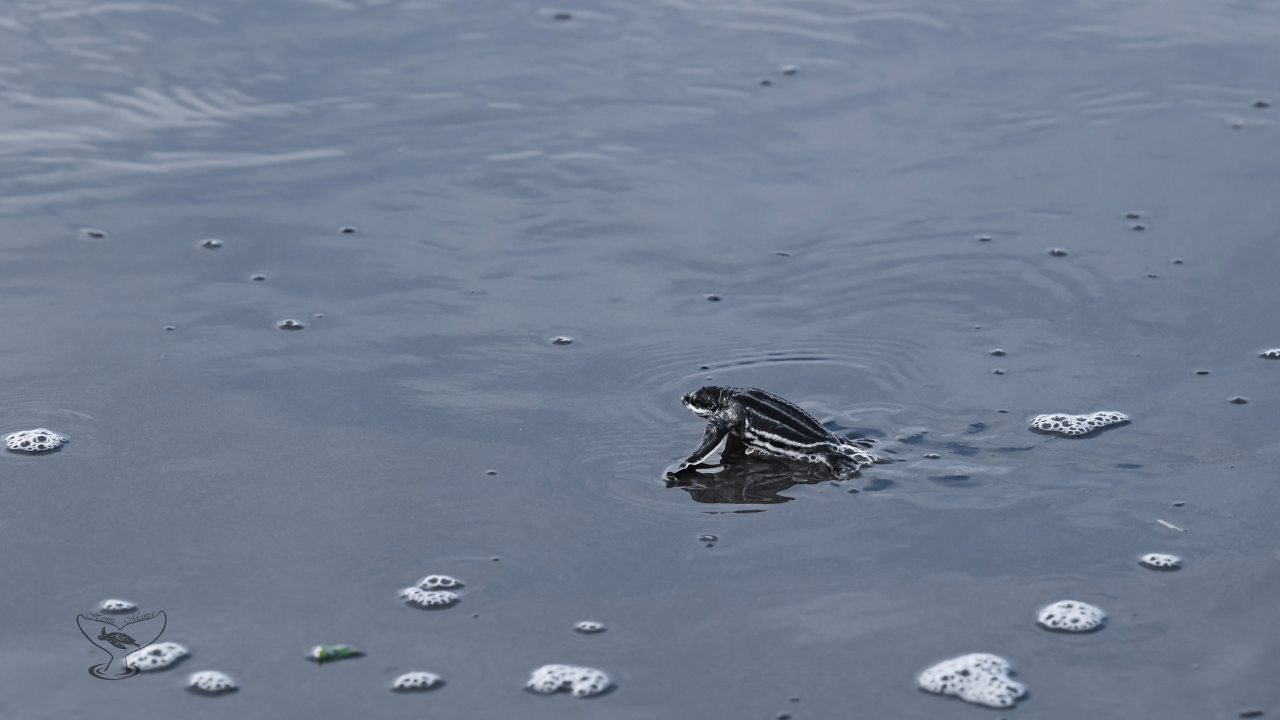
(211, 682)
(412, 681)
(428, 598)
(439, 582)
(1273, 353)
(1071, 616)
(38, 440)
(1073, 425)
(1159, 561)
(156, 657)
(589, 627)
(980, 678)
(116, 605)
(581, 681)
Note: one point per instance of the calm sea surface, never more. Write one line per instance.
(511, 177)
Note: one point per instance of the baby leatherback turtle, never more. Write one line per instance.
(769, 425)
(118, 639)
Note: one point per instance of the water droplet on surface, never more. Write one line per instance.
(1071, 616)
(346, 230)
(1133, 215)
(1180, 503)
(170, 328)
(34, 441)
(581, 681)
(116, 605)
(766, 81)
(290, 325)
(561, 340)
(1202, 372)
(853, 491)
(257, 277)
(211, 682)
(1177, 261)
(416, 681)
(997, 352)
(984, 238)
(979, 678)
(92, 234)
(318, 316)
(211, 243)
(563, 16)
(1137, 227)
(1160, 561)
(490, 472)
(998, 371)
(1152, 275)
(1251, 712)
(495, 558)
(707, 538)
(1057, 252)
(156, 657)
(1260, 103)
(589, 627)
(931, 456)
(1076, 425)
(1237, 400)
(713, 298)
(789, 69)
(703, 367)
(783, 254)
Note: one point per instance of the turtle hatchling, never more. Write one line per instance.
(118, 639)
(771, 426)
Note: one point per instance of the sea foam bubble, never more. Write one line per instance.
(156, 657)
(415, 681)
(34, 441)
(1074, 425)
(980, 678)
(211, 682)
(1160, 561)
(1071, 616)
(581, 681)
(428, 598)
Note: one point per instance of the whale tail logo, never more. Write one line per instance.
(113, 639)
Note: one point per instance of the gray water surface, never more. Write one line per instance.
(513, 177)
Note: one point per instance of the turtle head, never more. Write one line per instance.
(103, 636)
(703, 402)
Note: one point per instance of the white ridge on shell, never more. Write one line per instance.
(979, 678)
(1160, 561)
(439, 582)
(211, 682)
(34, 441)
(156, 657)
(1075, 425)
(416, 680)
(581, 681)
(428, 598)
(1071, 616)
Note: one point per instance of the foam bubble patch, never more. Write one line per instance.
(34, 441)
(439, 582)
(979, 678)
(211, 682)
(581, 681)
(416, 682)
(156, 657)
(116, 605)
(1071, 616)
(428, 598)
(1160, 561)
(1076, 425)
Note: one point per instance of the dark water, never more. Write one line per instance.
(513, 177)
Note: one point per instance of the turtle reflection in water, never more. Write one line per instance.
(118, 639)
(745, 479)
